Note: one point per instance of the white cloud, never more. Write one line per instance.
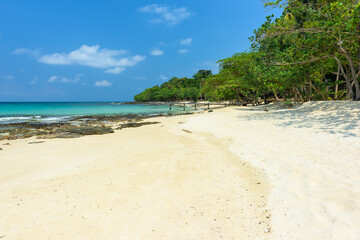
(156, 52)
(183, 51)
(34, 81)
(162, 43)
(34, 53)
(186, 41)
(115, 70)
(103, 83)
(163, 77)
(53, 79)
(93, 56)
(64, 79)
(9, 77)
(167, 15)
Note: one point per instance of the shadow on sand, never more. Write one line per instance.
(335, 117)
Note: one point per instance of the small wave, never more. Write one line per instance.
(21, 119)
(7, 119)
(55, 119)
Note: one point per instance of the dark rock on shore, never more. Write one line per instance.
(91, 130)
(77, 131)
(135, 124)
(26, 130)
(75, 127)
(36, 142)
(60, 135)
(110, 118)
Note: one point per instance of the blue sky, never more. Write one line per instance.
(110, 50)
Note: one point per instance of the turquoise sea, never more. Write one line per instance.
(61, 111)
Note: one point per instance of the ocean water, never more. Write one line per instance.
(62, 111)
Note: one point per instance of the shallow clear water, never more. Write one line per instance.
(57, 111)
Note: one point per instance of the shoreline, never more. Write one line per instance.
(154, 190)
(235, 173)
(77, 126)
(74, 126)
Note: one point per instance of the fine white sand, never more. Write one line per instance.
(311, 157)
(235, 173)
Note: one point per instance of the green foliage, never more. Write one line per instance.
(311, 52)
(176, 89)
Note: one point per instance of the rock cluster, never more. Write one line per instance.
(74, 128)
(135, 124)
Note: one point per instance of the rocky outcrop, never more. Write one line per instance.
(73, 128)
(135, 124)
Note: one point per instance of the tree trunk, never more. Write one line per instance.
(336, 91)
(349, 92)
(316, 90)
(327, 87)
(337, 83)
(295, 95)
(345, 53)
(238, 96)
(300, 96)
(354, 76)
(276, 96)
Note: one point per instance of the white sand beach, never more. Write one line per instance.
(235, 173)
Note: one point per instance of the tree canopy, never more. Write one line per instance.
(176, 89)
(311, 52)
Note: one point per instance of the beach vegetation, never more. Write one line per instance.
(310, 52)
(177, 89)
